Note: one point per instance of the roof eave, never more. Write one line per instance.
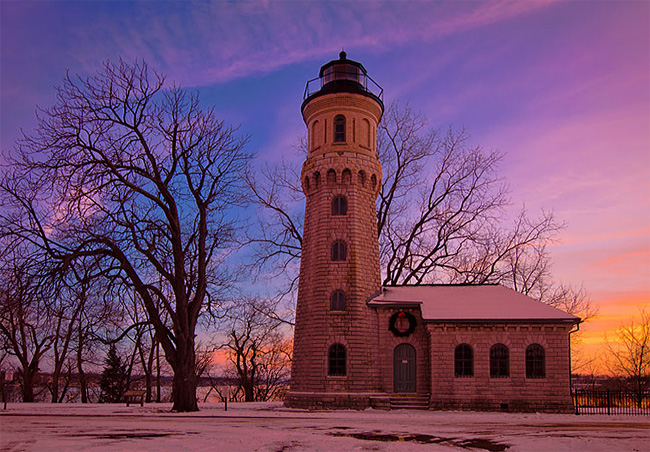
(493, 320)
(394, 304)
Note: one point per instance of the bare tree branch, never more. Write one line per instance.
(629, 352)
(143, 180)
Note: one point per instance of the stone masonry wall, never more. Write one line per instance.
(419, 339)
(515, 393)
(348, 169)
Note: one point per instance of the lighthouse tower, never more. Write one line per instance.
(335, 362)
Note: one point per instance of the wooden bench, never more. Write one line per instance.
(133, 397)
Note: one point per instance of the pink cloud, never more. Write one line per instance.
(626, 263)
(218, 42)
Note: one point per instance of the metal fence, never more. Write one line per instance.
(612, 402)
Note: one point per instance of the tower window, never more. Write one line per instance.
(336, 361)
(464, 361)
(316, 134)
(339, 251)
(535, 361)
(339, 205)
(346, 176)
(331, 177)
(362, 178)
(337, 301)
(339, 129)
(499, 361)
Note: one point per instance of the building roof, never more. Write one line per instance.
(469, 303)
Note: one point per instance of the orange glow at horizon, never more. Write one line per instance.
(615, 310)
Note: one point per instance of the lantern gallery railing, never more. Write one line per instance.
(362, 81)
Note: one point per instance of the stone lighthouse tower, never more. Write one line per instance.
(335, 360)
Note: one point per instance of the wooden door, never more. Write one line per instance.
(404, 369)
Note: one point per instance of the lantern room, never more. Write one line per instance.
(342, 76)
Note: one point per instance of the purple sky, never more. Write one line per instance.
(563, 88)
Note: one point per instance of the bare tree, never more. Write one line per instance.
(629, 352)
(257, 351)
(275, 368)
(27, 334)
(65, 315)
(146, 349)
(143, 180)
(64, 309)
(447, 227)
(98, 314)
(570, 299)
(278, 237)
(440, 217)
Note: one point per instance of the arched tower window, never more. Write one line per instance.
(337, 301)
(316, 132)
(346, 177)
(316, 179)
(339, 251)
(331, 177)
(339, 205)
(535, 361)
(362, 178)
(365, 133)
(337, 361)
(464, 361)
(339, 129)
(499, 361)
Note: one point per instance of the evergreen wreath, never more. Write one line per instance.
(399, 315)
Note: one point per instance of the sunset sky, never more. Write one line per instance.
(562, 88)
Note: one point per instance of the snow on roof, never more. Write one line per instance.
(470, 302)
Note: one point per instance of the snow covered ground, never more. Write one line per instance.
(270, 427)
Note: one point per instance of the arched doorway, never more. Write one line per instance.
(404, 365)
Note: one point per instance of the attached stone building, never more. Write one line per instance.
(358, 344)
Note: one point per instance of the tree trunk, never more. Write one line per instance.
(55, 384)
(184, 389)
(64, 390)
(184, 382)
(157, 372)
(149, 372)
(83, 385)
(147, 368)
(28, 384)
(248, 392)
(56, 378)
